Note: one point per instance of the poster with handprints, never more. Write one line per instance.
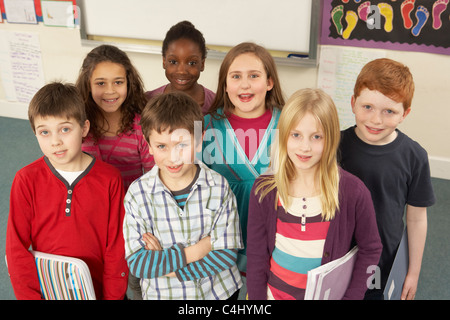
(408, 25)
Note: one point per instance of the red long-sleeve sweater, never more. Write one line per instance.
(82, 220)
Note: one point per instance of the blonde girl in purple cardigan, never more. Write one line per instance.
(309, 211)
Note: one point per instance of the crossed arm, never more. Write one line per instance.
(210, 255)
(192, 253)
(185, 263)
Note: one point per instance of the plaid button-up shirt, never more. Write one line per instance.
(210, 209)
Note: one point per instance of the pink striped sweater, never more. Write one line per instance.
(128, 152)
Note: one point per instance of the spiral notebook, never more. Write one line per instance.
(63, 278)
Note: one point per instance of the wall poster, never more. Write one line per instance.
(407, 25)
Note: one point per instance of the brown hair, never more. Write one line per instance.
(57, 100)
(134, 101)
(389, 77)
(171, 111)
(274, 97)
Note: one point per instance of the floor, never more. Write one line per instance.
(19, 147)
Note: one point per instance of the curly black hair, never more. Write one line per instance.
(184, 30)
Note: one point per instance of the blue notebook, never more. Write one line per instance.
(394, 284)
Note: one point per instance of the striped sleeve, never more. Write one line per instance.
(152, 264)
(213, 263)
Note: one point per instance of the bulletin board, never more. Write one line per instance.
(291, 26)
(406, 25)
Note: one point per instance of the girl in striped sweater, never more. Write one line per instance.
(113, 93)
(309, 211)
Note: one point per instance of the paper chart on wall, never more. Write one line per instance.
(20, 11)
(338, 70)
(21, 70)
(58, 13)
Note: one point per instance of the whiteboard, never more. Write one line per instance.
(282, 25)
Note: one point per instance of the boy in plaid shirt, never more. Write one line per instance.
(181, 225)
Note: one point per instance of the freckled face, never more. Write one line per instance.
(377, 116)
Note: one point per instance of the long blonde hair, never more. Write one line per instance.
(319, 104)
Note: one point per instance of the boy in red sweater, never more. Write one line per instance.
(67, 202)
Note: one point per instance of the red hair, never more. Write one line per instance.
(389, 77)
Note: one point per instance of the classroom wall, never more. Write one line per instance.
(428, 123)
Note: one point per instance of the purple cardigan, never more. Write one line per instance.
(353, 224)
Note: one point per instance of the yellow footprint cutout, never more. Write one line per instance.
(387, 12)
(352, 18)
